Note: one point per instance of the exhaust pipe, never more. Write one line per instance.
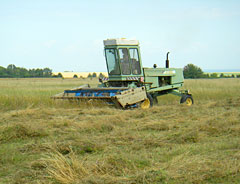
(167, 61)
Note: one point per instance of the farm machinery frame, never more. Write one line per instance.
(129, 84)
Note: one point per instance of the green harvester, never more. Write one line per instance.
(129, 84)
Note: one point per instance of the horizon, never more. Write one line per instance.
(204, 70)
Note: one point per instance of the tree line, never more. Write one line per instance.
(13, 71)
(189, 71)
(192, 71)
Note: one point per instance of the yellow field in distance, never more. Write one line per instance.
(79, 74)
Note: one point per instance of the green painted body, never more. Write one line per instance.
(163, 78)
(157, 81)
(129, 84)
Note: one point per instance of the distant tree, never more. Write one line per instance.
(39, 72)
(222, 75)
(11, 67)
(11, 70)
(75, 76)
(16, 72)
(192, 71)
(47, 72)
(23, 72)
(214, 75)
(94, 74)
(101, 75)
(3, 72)
(59, 75)
(233, 76)
(205, 75)
(238, 76)
(89, 75)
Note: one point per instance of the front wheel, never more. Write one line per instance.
(147, 103)
(187, 99)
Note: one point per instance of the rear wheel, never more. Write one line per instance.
(187, 99)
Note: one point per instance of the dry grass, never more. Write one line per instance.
(42, 141)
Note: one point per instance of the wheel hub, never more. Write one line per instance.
(145, 104)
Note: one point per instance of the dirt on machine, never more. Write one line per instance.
(130, 85)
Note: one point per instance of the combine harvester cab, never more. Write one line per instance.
(129, 84)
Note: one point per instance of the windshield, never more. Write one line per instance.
(136, 69)
(124, 61)
(113, 67)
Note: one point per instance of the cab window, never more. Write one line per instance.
(124, 61)
(113, 66)
(136, 69)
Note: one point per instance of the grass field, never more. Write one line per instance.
(47, 141)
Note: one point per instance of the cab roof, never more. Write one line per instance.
(120, 41)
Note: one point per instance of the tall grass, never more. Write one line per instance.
(46, 141)
(28, 93)
(213, 89)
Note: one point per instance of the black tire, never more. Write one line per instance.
(150, 98)
(185, 97)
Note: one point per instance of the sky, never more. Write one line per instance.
(67, 35)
